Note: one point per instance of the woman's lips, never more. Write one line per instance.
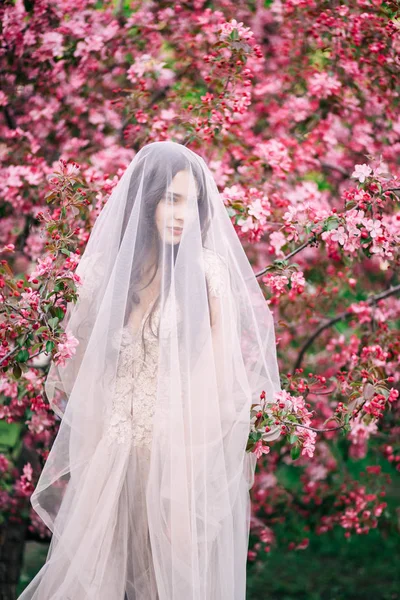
(175, 230)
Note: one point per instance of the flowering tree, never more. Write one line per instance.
(295, 109)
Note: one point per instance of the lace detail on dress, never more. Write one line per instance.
(135, 389)
(133, 404)
(216, 273)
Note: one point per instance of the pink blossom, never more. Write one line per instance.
(349, 519)
(24, 485)
(4, 463)
(298, 282)
(277, 283)
(267, 480)
(27, 471)
(38, 526)
(146, 63)
(308, 442)
(290, 402)
(374, 227)
(31, 298)
(43, 267)
(297, 403)
(3, 99)
(53, 41)
(339, 235)
(244, 33)
(361, 172)
(275, 154)
(277, 241)
(316, 472)
(260, 449)
(73, 168)
(259, 211)
(361, 431)
(323, 85)
(34, 244)
(7, 248)
(66, 349)
(93, 43)
(362, 310)
(39, 422)
(246, 224)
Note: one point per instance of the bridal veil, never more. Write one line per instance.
(175, 343)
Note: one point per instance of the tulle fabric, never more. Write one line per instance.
(146, 487)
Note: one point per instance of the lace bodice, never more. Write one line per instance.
(133, 403)
(135, 387)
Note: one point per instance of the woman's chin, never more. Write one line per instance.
(170, 238)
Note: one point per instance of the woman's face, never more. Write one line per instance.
(176, 207)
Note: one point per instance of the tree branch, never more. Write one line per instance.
(308, 242)
(337, 168)
(343, 315)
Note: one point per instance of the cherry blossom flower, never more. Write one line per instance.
(246, 224)
(308, 442)
(243, 32)
(260, 449)
(277, 241)
(66, 349)
(43, 267)
(361, 172)
(339, 235)
(323, 85)
(31, 298)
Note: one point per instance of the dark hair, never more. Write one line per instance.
(154, 187)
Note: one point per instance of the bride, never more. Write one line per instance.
(146, 487)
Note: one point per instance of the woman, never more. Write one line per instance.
(146, 487)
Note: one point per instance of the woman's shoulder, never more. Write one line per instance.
(216, 271)
(213, 257)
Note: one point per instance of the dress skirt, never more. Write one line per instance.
(140, 576)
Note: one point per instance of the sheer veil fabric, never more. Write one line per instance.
(146, 487)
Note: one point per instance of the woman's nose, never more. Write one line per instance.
(178, 212)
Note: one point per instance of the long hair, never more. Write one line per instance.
(154, 188)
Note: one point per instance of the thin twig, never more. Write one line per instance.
(314, 428)
(343, 315)
(311, 240)
(337, 168)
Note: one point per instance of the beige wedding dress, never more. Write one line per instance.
(131, 423)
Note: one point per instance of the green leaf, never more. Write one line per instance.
(22, 356)
(36, 346)
(351, 204)
(49, 346)
(20, 339)
(17, 371)
(295, 452)
(59, 313)
(50, 196)
(331, 223)
(41, 329)
(54, 322)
